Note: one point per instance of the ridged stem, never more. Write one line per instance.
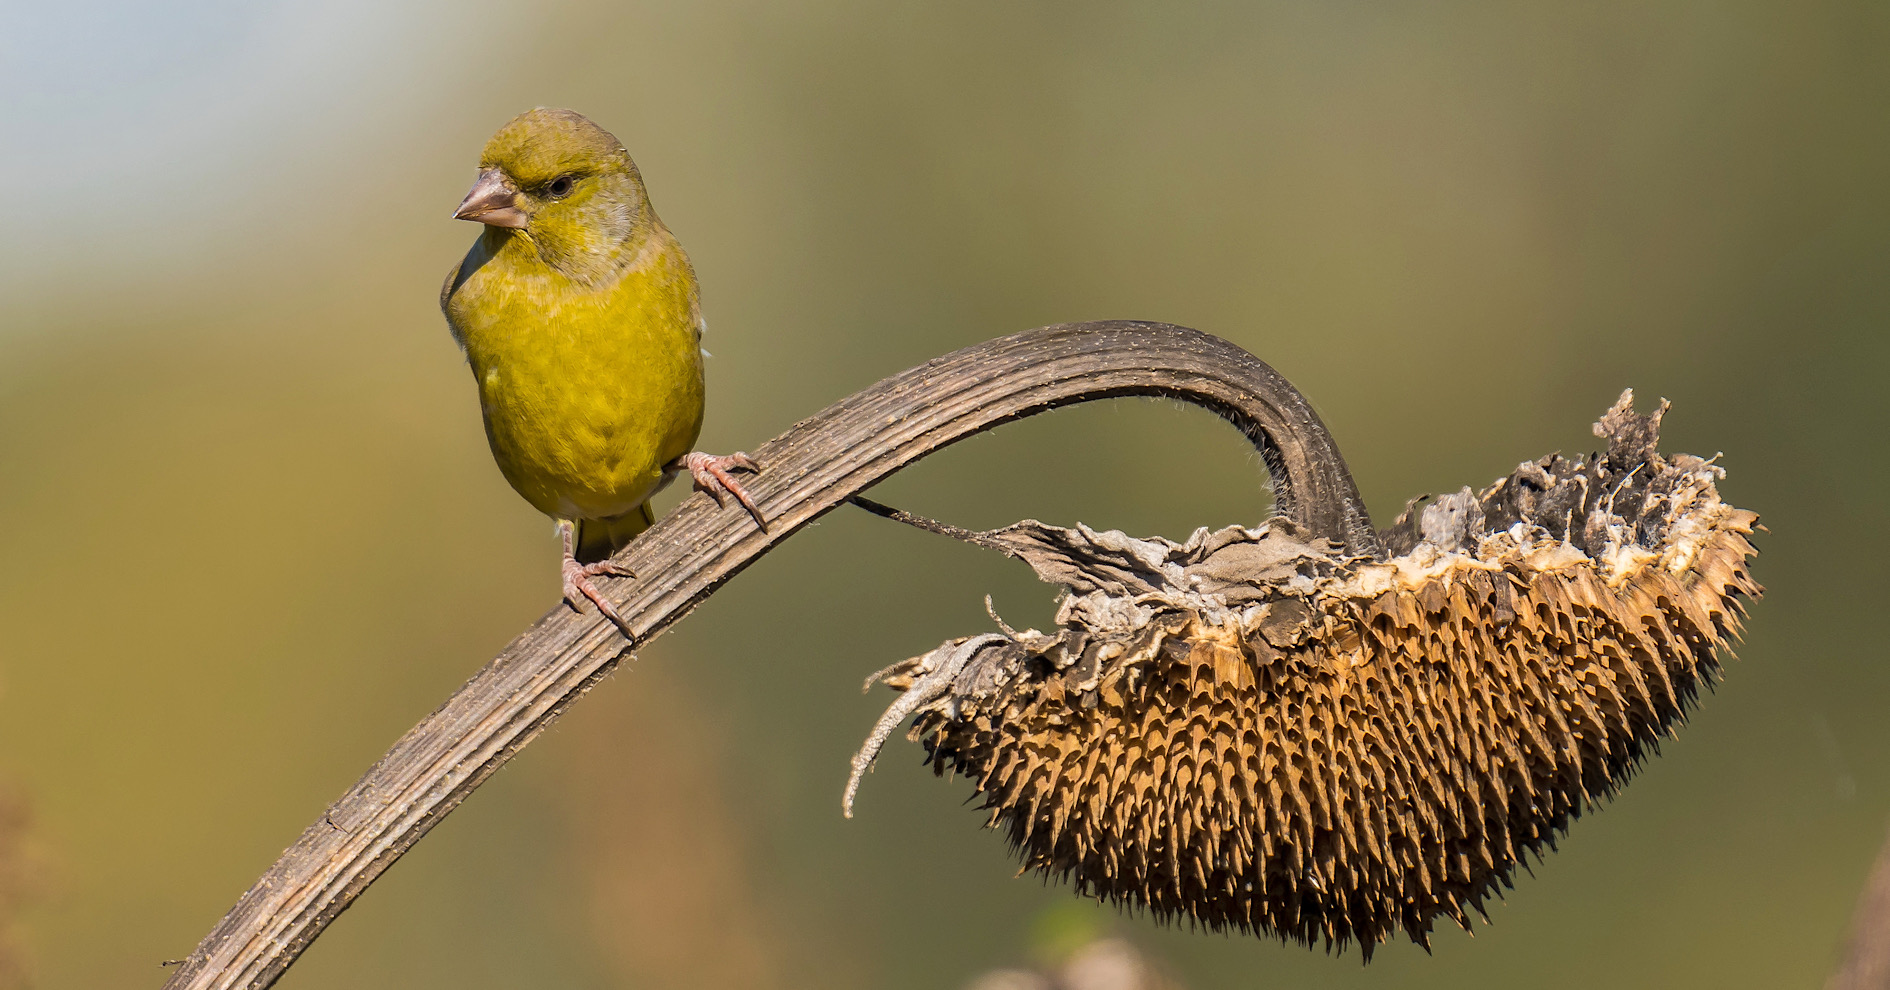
(807, 471)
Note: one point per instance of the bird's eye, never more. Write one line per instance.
(560, 187)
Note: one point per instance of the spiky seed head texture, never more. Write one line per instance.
(1253, 731)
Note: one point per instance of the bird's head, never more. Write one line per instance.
(564, 182)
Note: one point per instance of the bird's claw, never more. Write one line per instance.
(710, 473)
(608, 568)
(579, 587)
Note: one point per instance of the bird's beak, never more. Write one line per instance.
(493, 201)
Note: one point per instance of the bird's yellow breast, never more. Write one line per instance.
(587, 391)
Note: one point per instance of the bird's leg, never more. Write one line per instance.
(711, 474)
(577, 579)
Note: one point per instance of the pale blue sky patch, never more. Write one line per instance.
(139, 117)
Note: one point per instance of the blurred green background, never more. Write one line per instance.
(250, 532)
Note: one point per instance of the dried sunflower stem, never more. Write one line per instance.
(971, 536)
(806, 472)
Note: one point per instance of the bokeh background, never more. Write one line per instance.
(250, 532)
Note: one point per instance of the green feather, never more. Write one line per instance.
(583, 329)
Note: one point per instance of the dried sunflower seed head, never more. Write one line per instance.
(1256, 731)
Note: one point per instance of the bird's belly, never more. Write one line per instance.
(588, 443)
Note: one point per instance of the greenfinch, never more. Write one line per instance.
(579, 314)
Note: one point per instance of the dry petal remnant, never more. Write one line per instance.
(1258, 731)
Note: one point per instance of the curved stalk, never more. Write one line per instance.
(815, 466)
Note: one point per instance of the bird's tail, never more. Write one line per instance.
(599, 538)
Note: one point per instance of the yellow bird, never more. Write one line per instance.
(580, 317)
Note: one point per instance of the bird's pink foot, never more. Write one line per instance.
(711, 474)
(579, 588)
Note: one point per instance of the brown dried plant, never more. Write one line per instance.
(1360, 740)
(1262, 731)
